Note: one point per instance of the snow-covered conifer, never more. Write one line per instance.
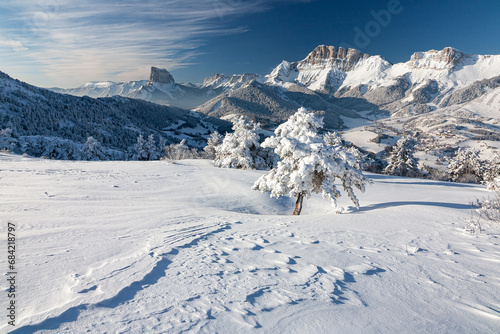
(492, 170)
(213, 141)
(334, 139)
(494, 184)
(241, 148)
(308, 164)
(138, 151)
(152, 151)
(93, 150)
(7, 140)
(465, 166)
(401, 161)
(58, 149)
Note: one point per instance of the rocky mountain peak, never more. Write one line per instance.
(244, 77)
(447, 58)
(344, 58)
(160, 75)
(215, 80)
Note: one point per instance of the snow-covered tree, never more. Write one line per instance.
(151, 148)
(145, 149)
(137, 151)
(492, 170)
(93, 150)
(241, 148)
(58, 149)
(7, 140)
(213, 141)
(465, 166)
(308, 164)
(494, 184)
(401, 161)
(334, 139)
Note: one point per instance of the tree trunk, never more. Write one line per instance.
(298, 205)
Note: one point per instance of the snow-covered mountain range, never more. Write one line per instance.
(161, 88)
(451, 98)
(346, 78)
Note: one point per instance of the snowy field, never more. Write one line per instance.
(158, 247)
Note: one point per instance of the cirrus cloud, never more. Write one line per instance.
(67, 43)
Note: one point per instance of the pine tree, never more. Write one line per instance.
(213, 141)
(241, 149)
(494, 185)
(308, 164)
(138, 151)
(492, 170)
(152, 151)
(93, 150)
(465, 166)
(7, 140)
(401, 161)
(334, 139)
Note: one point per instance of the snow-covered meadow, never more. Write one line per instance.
(160, 247)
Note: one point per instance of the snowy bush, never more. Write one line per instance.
(308, 163)
(213, 141)
(55, 148)
(488, 209)
(241, 148)
(180, 152)
(433, 173)
(93, 150)
(465, 166)
(401, 161)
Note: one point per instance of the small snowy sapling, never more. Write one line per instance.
(401, 161)
(241, 148)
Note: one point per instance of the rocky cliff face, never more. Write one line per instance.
(448, 58)
(160, 75)
(323, 70)
(223, 81)
(343, 59)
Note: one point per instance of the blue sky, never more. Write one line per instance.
(66, 43)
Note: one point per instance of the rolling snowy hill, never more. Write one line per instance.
(157, 247)
(35, 115)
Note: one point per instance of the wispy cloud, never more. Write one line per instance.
(75, 41)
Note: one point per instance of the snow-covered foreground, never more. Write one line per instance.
(156, 247)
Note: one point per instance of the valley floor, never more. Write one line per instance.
(159, 247)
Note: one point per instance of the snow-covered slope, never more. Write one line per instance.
(152, 247)
(273, 104)
(40, 118)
